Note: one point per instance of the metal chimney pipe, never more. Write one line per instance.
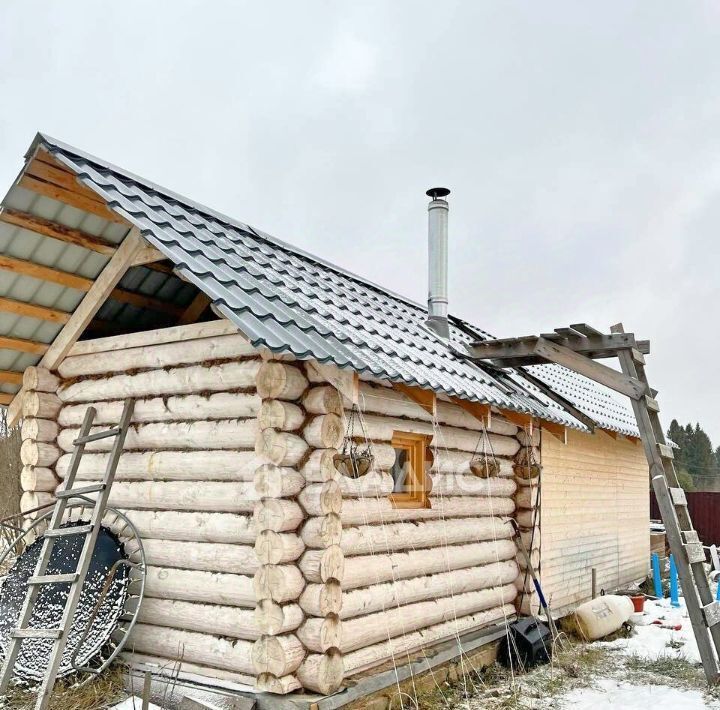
(437, 319)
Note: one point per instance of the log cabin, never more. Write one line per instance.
(254, 367)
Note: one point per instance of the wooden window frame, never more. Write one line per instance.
(419, 456)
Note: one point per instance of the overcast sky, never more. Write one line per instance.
(581, 143)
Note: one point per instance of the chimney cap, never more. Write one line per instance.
(437, 192)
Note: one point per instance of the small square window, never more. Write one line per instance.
(412, 458)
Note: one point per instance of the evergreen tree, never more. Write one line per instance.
(697, 463)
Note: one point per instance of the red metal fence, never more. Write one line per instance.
(704, 509)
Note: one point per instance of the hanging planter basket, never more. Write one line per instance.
(527, 471)
(483, 467)
(352, 462)
(483, 463)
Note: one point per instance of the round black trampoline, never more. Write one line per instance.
(47, 614)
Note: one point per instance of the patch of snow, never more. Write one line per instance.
(653, 641)
(609, 693)
(133, 703)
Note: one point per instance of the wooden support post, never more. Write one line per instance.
(96, 295)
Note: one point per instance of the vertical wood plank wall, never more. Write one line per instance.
(594, 513)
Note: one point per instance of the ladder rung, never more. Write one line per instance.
(678, 496)
(712, 613)
(71, 492)
(695, 552)
(666, 451)
(55, 579)
(95, 437)
(37, 633)
(652, 404)
(62, 532)
(690, 536)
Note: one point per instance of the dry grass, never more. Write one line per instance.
(102, 692)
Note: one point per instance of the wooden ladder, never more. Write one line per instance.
(577, 348)
(59, 636)
(685, 545)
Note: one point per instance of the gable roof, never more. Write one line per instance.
(288, 301)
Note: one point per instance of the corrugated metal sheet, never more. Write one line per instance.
(289, 301)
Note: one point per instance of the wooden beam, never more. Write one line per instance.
(65, 278)
(45, 166)
(20, 308)
(5, 399)
(481, 412)
(97, 294)
(26, 346)
(11, 377)
(74, 199)
(595, 346)
(48, 228)
(102, 288)
(611, 433)
(520, 418)
(557, 430)
(44, 273)
(148, 255)
(425, 398)
(141, 301)
(346, 382)
(613, 379)
(195, 309)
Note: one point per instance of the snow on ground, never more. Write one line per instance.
(652, 641)
(133, 703)
(611, 693)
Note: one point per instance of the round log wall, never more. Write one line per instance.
(382, 580)
(187, 479)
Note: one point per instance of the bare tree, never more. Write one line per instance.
(10, 467)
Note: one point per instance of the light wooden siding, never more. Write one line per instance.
(595, 509)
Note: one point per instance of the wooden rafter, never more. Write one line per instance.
(523, 420)
(65, 278)
(98, 293)
(195, 309)
(69, 235)
(25, 346)
(346, 382)
(557, 430)
(481, 412)
(511, 352)
(44, 273)
(5, 398)
(20, 308)
(74, 199)
(583, 365)
(425, 398)
(11, 377)
(54, 230)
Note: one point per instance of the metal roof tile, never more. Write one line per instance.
(289, 301)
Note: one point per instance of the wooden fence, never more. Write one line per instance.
(704, 509)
